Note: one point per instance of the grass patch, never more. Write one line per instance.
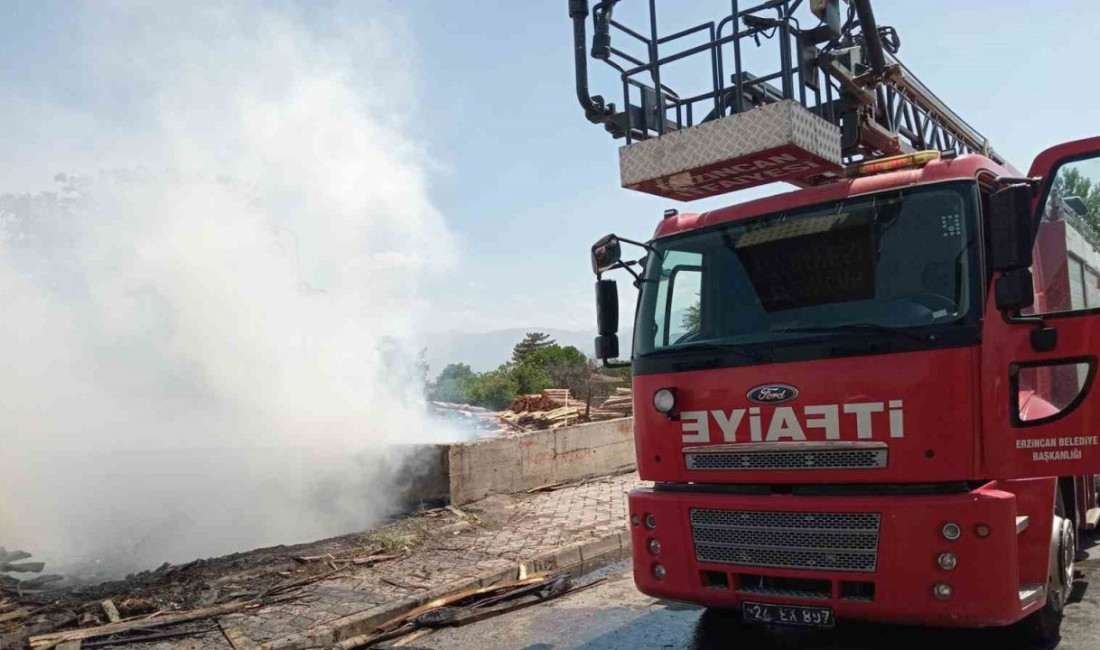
(397, 537)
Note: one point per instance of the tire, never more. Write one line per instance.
(1044, 626)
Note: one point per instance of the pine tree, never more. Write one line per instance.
(530, 344)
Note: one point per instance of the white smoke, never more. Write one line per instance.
(208, 350)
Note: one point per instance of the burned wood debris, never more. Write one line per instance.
(14, 562)
(20, 608)
(467, 607)
(180, 601)
(60, 619)
(120, 632)
(173, 601)
(368, 556)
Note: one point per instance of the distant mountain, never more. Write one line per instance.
(486, 350)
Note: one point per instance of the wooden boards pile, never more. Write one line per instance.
(553, 419)
(618, 405)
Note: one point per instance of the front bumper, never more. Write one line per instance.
(897, 586)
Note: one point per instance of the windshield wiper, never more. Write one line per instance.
(856, 327)
(704, 345)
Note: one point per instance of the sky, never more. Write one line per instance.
(523, 182)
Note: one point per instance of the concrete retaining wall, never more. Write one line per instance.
(530, 460)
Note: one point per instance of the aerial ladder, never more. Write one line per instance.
(840, 97)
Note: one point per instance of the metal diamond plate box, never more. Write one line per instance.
(778, 142)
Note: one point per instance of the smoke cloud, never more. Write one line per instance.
(209, 324)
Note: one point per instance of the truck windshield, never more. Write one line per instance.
(888, 263)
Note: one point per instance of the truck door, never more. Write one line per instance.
(1040, 403)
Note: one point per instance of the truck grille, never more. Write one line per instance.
(798, 459)
(790, 540)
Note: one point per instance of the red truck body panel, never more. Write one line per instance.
(909, 542)
(986, 581)
(962, 168)
(935, 442)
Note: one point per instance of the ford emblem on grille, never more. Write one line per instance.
(772, 394)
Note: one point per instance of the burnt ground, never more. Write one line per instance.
(206, 582)
(281, 595)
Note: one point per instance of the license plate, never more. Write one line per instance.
(788, 614)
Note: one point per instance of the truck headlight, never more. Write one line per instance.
(664, 400)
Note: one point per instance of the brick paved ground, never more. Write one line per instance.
(512, 529)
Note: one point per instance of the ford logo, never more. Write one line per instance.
(772, 394)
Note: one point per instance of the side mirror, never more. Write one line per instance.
(607, 319)
(1014, 290)
(607, 347)
(1012, 232)
(606, 253)
(607, 307)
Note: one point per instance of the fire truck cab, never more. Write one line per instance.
(872, 397)
(868, 423)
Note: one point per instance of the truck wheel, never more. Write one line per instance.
(1044, 625)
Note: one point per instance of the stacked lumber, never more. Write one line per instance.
(527, 403)
(483, 421)
(451, 406)
(619, 405)
(558, 395)
(550, 409)
(553, 419)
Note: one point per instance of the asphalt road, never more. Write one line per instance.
(614, 616)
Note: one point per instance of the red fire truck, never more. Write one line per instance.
(868, 398)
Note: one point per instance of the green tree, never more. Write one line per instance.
(530, 377)
(494, 389)
(693, 317)
(577, 377)
(541, 364)
(1070, 182)
(558, 362)
(531, 343)
(451, 384)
